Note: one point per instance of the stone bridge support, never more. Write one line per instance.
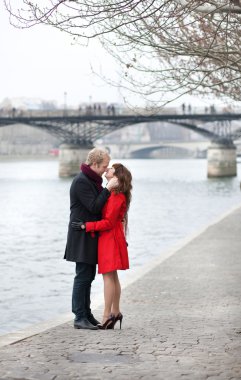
(70, 158)
(222, 159)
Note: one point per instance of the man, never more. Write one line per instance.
(87, 198)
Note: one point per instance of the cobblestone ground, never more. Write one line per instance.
(182, 320)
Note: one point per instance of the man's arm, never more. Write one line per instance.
(86, 196)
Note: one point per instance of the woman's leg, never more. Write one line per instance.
(116, 299)
(109, 293)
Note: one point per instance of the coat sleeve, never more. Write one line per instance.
(113, 207)
(89, 200)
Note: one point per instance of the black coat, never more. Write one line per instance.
(86, 204)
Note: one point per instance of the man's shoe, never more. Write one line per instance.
(92, 320)
(83, 323)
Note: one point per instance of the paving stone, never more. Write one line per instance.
(182, 321)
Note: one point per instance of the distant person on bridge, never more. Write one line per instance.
(113, 110)
(112, 246)
(87, 198)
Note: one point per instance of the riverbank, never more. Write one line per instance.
(12, 158)
(184, 201)
(182, 319)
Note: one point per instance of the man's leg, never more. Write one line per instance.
(82, 282)
(90, 316)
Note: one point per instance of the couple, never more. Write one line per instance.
(98, 221)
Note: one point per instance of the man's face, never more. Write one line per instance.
(100, 169)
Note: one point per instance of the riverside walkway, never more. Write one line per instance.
(182, 320)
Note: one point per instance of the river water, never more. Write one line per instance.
(171, 200)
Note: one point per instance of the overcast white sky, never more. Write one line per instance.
(41, 62)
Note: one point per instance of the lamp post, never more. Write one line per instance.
(65, 104)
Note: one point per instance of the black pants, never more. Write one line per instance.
(85, 274)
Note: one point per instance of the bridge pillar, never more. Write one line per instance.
(222, 159)
(70, 158)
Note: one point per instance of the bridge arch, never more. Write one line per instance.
(80, 131)
(85, 129)
(162, 151)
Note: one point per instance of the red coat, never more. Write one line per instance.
(112, 247)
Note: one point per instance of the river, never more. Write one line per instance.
(171, 200)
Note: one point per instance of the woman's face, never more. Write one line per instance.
(109, 173)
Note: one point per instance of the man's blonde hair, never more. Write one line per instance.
(97, 155)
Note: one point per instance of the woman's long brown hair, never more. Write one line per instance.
(125, 186)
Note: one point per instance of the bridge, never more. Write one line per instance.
(83, 130)
(77, 133)
(160, 149)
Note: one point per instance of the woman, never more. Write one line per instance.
(112, 246)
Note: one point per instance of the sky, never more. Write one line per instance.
(41, 62)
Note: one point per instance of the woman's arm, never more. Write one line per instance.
(113, 207)
(88, 198)
(85, 194)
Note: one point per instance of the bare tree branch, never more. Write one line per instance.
(162, 47)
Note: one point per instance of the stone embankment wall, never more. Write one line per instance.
(22, 140)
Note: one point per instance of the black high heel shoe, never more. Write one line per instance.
(119, 317)
(108, 324)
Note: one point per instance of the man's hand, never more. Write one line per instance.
(78, 226)
(113, 183)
